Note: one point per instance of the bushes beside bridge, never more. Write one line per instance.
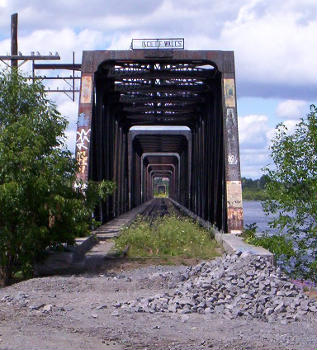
(291, 187)
(40, 207)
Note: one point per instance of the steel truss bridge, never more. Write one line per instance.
(162, 113)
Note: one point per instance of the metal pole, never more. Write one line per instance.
(14, 39)
(73, 77)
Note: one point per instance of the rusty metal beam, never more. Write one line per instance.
(161, 121)
(172, 88)
(160, 115)
(128, 99)
(62, 90)
(31, 58)
(158, 109)
(39, 77)
(160, 74)
(69, 66)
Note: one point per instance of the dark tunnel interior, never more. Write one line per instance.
(155, 118)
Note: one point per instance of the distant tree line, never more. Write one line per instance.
(254, 189)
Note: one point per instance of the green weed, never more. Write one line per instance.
(169, 236)
(276, 244)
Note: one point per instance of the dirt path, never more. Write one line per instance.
(78, 312)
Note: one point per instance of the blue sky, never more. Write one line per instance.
(274, 43)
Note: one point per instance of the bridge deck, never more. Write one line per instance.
(112, 228)
(90, 252)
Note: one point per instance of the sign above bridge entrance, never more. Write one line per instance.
(141, 44)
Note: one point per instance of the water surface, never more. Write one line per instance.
(253, 213)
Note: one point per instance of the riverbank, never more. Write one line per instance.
(254, 194)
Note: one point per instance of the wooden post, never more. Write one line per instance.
(14, 39)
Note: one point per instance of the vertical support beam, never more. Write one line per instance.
(150, 185)
(148, 188)
(130, 169)
(14, 40)
(231, 144)
(189, 167)
(142, 173)
(84, 124)
(120, 165)
(116, 169)
(124, 174)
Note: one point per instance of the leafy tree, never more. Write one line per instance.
(39, 205)
(292, 187)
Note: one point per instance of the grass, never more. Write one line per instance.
(168, 236)
(160, 195)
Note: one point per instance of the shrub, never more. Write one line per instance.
(291, 185)
(40, 207)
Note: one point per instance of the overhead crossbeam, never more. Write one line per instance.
(160, 74)
(142, 99)
(177, 88)
(160, 109)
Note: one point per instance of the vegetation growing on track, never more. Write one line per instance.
(168, 236)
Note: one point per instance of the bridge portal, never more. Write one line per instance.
(170, 113)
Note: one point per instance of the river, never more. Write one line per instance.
(253, 212)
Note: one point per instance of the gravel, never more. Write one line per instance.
(235, 285)
(94, 310)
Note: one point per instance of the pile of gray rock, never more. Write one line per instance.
(239, 285)
(21, 299)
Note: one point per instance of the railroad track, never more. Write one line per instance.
(158, 208)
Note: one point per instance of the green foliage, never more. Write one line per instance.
(292, 184)
(254, 184)
(254, 194)
(160, 195)
(254, 189)
(277, 244)
(292, 187)
(40, 207)
(167, 236)
(249, 232)
(159, 181)
(89, 195)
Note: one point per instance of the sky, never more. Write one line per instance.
(274, 43)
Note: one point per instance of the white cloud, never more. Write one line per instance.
(254, 133)
(274, 42)
(272, 46)
(71, 140)
(291, 125)
(291, 109)
(69, 110)
(64, 41)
